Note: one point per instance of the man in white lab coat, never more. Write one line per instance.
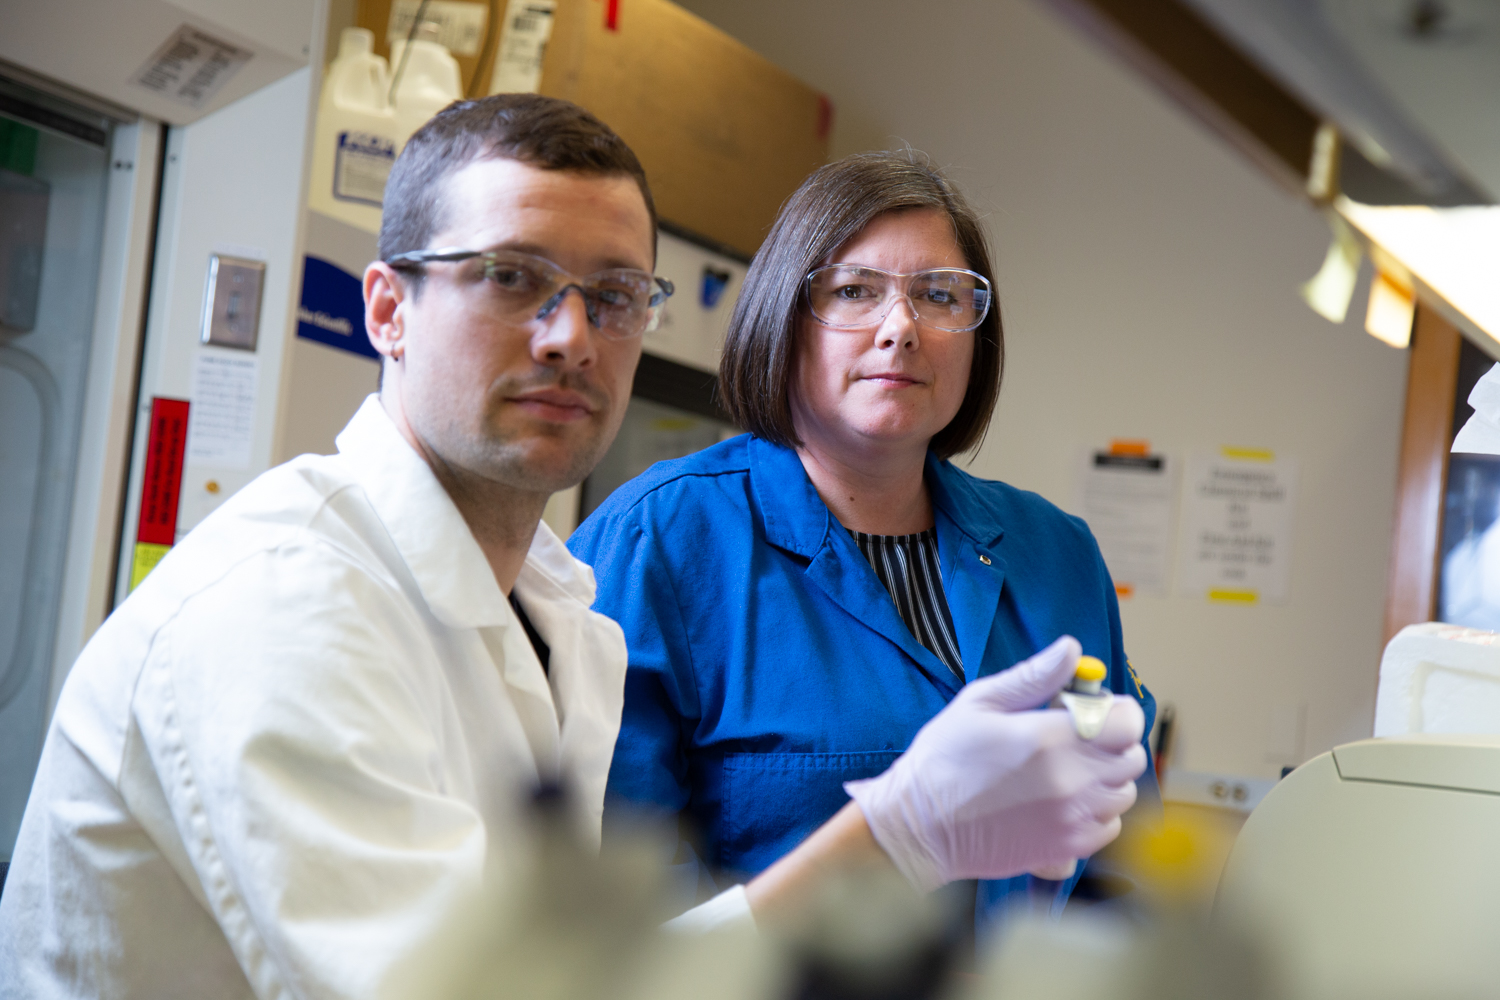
(280, 765)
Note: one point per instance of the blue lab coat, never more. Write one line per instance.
(768, 665)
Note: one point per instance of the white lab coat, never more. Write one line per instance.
(301, 740)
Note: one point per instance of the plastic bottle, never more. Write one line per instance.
(427, 83)
(357, 135)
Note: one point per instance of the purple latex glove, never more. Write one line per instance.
(991, 789)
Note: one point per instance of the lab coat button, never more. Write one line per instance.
(984, 558)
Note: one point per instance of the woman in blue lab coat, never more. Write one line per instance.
(799, 600)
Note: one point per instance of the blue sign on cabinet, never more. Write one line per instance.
(332, 310)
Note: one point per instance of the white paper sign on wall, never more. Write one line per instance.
(1236, 542)
(1125, 495)
(221, 423)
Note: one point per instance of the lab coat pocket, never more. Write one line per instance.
(772, 801)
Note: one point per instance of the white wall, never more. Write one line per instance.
(1148, 278)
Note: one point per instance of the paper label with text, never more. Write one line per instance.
(191, 66)
(1237, 526)
(221, 427)
(523, 43)
(1127, 502)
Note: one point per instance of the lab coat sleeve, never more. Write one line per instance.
(296, 746)
(730, 909)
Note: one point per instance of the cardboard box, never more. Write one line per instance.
(724, 135)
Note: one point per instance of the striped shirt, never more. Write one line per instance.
(907, 566)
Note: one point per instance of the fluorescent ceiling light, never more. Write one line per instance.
(1453, 252)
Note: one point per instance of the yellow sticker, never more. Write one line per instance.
(145, 560)
(1248, 454)
(1234, 596)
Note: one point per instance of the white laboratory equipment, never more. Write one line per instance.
(1371, 871)
(129, 135)
(172, 61)
(55, 173)
(1437, 678)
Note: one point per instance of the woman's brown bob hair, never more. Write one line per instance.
(828, 210)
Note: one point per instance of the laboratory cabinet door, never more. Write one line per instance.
(67, 189)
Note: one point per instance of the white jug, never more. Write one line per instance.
(428, 82)
(357, 135)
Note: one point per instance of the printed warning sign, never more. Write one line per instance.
(161, 485)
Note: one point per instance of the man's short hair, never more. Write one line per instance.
(541, 131)
(830, 208)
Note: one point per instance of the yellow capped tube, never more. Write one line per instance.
(1084, 699)
(1088, 675)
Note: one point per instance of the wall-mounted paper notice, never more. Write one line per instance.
(221, 421)
(1237, 526)
(1127, 501)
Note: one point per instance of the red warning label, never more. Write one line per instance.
(162, 486)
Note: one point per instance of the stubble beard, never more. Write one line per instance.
(539, 457)
(513, 460)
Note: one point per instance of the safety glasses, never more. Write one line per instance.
(621, 302)
(849, 296)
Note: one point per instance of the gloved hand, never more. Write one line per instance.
(989, 789)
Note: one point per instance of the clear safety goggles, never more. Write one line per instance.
(849, 296)
(621, 302)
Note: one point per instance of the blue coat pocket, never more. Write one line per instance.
(772, 801)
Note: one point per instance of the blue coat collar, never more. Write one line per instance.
(795, 518)
(954, 494)
(792, 514)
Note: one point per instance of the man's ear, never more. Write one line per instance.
(385, 320)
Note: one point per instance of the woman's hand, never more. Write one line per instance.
(991, 789)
